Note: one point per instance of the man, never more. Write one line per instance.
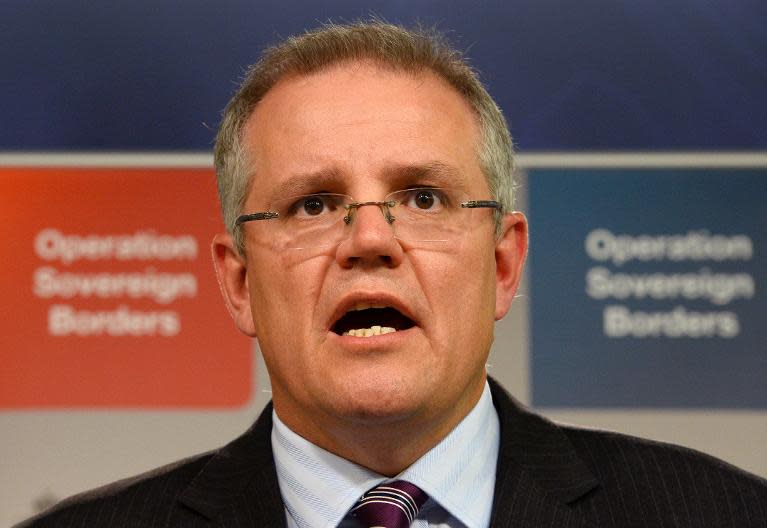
(365, 179)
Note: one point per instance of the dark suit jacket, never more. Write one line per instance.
(548, 475)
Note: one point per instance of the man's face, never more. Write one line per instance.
(365, 131)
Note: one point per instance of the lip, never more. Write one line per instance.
(350, 300)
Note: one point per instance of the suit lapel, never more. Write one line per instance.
(539, 476)
(240, 481)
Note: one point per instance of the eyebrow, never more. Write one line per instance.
(309, 182)
(398, 176)
(434, 173)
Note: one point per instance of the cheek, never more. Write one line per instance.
(284, 294)
(460, 288)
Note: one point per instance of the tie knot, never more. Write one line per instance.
(390, 505)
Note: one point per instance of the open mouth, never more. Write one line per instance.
(367, 321)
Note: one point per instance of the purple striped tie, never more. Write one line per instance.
(390, 505)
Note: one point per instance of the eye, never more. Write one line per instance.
(432, 200)
(314, 205)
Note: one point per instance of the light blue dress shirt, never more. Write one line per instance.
(319, 488)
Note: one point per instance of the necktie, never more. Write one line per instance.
(390, 505)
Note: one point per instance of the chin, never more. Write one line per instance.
(378, 400)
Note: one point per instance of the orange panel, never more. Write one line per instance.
(108, 296)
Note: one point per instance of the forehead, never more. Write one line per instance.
(358, 123)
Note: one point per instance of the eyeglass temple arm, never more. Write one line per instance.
(475, 204)
(268, 215)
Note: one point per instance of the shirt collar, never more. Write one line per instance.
(319, 488)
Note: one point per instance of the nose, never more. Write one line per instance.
(371, 238)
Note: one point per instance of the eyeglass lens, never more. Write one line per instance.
(427, 215)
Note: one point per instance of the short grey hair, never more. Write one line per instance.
(402, 49)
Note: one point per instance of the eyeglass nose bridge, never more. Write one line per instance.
(385, 207)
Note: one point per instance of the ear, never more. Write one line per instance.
(510, 253)
(231, 270)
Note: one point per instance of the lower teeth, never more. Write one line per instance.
(367, 332)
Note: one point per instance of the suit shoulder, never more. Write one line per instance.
(600, 447)
(134, 501)
(650, 475)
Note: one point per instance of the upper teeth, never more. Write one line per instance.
(372, 331)
(365, 306)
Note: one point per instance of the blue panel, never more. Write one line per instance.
(647, 288)
(569, 75)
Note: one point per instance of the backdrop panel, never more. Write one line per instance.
(647, 287)
(109, 297)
